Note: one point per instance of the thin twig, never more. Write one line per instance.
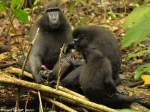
(11, 18)
(59, 104)
(26, 103)
(25, 62)
(40, 105)
(59, 70)
(26, 59)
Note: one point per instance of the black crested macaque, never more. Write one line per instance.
(95, 77)
(94, 80)
(104, 41)
(97, 83)
(71, 81)
(54, 31)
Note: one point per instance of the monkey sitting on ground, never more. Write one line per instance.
(97, 83)
(54, 31)
(104, 41)
(95, 80)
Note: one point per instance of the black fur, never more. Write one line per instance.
(69, 62)
(49, 40)
(94, 80)
(95, 77)
(71, 81)
(97, 83)
(103, 40)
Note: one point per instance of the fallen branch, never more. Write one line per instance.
(59, 104)
(90, 105)
(40, 101)
(6, 64)
(18, 71)
(71, 92)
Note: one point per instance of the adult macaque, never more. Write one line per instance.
(54, 31)
(96, 78)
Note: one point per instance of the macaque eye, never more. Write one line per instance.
(53, 14)
(54, 32)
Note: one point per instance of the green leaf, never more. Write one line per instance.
(83, 20)
(2, 7)
(16, 4)
(22, 15)
(71, 7)
(28, 10)
(140, 70)
(137, 16)
(138, 25)
(137, 33)
(140, 53)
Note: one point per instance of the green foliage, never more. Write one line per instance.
(82, 20)
(71, 7)
(2, 6)
(138, 25)
(140, 70)
(18, 12)
(21, 15)
(16, 9)
(111, 15)
(140, 53)
(15, 4)
(137, 16)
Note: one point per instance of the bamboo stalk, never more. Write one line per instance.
(59, 104)
(18, 71)
(40, 105)
(91, 105)
(71, 92)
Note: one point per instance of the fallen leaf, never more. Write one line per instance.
(146, 79)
